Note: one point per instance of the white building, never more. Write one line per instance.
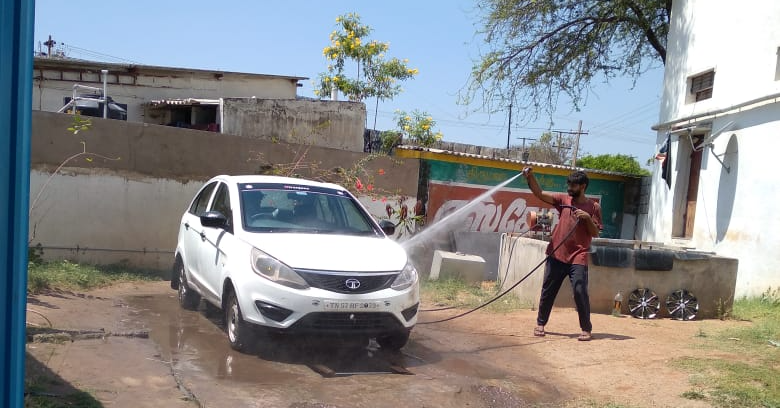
(720, 112)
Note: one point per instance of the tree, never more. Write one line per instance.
(540, 49)
(620, 163)
(380, 76)
(417, 127)
(549, 149)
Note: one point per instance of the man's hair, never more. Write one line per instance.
(578, 177)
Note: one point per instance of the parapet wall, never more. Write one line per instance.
(614, 267)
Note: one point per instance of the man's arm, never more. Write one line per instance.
(592, 223)
(534, 186)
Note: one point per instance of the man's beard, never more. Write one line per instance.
(573, 194)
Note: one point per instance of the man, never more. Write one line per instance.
(567, 252)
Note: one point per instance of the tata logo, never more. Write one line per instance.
(352, 283)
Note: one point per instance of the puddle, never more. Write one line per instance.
(195, 340)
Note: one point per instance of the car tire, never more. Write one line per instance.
(394, 341)
(239, 332)
(188, 298)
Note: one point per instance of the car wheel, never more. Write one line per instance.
(239, 332)
(394, 341)
(188, 298)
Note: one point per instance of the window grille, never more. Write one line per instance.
(701, 85)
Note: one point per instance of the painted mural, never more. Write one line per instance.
(452, 186)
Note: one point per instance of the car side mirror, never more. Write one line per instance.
(213, 219)
(387, 227)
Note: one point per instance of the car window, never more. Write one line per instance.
(222, 204)
(355, 218)
(284, 208)
(200, 202)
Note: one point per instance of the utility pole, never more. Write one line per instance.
(509, 128)
(576, 145)
(524, 152)
(49, 45)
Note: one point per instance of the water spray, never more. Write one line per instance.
(505, 291)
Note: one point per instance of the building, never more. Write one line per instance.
(243, 104)
(718, 137)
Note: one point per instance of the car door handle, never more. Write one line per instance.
(202, 236)
(187, 226)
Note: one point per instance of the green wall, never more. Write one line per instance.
(611, 192)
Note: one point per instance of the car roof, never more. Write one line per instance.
(255, 179)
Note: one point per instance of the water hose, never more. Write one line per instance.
(500, 295)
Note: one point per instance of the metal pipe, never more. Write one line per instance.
(105, 92)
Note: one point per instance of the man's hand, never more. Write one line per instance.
(582, 214)
(527, 172)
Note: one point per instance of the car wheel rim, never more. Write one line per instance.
(682, 305)
(233, 322)
(643, 303)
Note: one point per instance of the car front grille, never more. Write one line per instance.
(347, 322)
(345, 283)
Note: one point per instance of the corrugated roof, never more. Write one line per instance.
(96, 66)
(508, 160)
(162, 103)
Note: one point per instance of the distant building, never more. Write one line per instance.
(244, 104)
(713, 188)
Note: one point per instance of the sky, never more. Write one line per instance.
(287, 37)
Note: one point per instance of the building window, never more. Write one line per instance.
(701, 86)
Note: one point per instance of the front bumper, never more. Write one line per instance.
(315, 310)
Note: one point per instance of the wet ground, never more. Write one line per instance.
(483, 360)
(431, 371)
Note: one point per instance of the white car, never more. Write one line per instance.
(294, 256)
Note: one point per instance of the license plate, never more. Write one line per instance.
(351, 306)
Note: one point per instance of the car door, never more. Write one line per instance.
(216, 244)
(190, 233)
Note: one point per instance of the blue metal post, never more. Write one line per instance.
(16, 48)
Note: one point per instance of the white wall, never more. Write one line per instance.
(735, 210)
(99, 217)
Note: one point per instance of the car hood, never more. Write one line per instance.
(332, 252)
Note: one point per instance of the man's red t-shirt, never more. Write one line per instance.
(575, 249)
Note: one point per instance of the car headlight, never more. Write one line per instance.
(406, 278)
(275, 271)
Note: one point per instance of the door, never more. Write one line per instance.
(190, 232)
(693, 191)
(215, 246)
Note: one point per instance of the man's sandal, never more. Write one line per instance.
(539, 331)
(585, 336)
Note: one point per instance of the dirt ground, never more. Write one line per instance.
(481, 360)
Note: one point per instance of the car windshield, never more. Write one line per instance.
(272, 207)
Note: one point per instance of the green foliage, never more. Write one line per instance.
(64, 275)
(537, 50)
(417, 127)
(35, 254)
(349, 43)
(390, 139)
(79, 124)
(620, 163)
